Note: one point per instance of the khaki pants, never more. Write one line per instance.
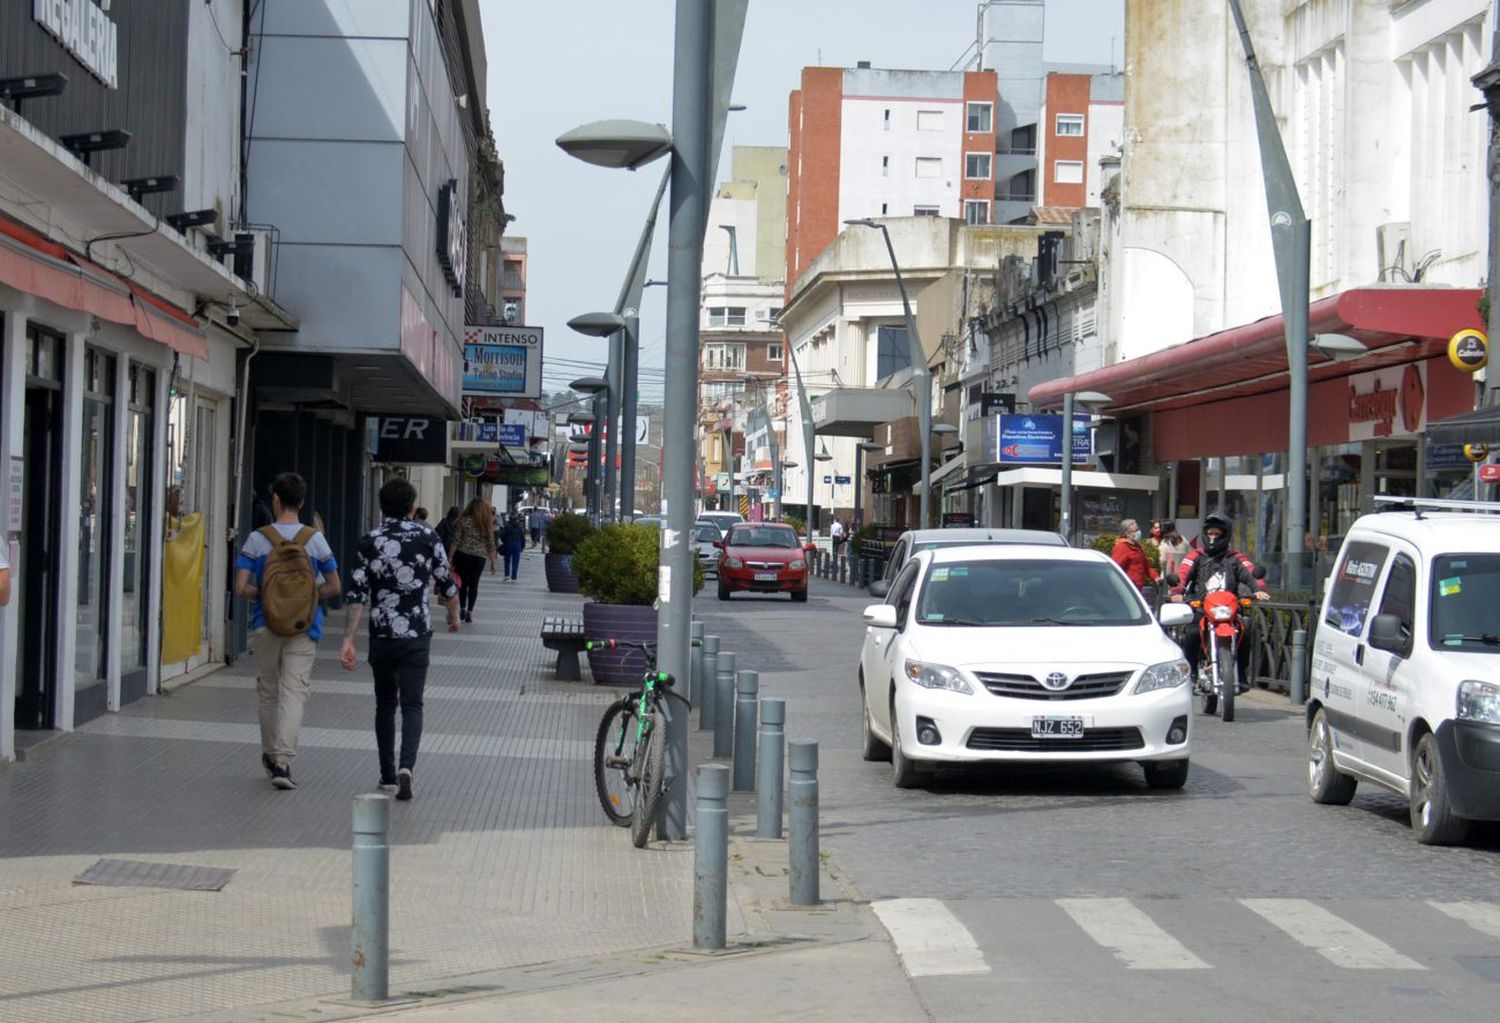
(283, 677)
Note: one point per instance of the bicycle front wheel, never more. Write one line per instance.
(615, 762)
(652, 772)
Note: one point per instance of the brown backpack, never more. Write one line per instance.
(288, 583)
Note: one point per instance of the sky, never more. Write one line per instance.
(556, 65)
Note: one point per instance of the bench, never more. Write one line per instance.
(565, 635)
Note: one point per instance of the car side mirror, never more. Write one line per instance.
(880, 616)
(1175, 614)
(1386, 634)
(880, 588)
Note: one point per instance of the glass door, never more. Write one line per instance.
(95, 516)
(35, 572)
(140, 546)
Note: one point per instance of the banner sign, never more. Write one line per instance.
(513, 435)
(505, 361)
(1037, 440)
(405, 440)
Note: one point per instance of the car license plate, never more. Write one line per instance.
(765, 577)
(1056, 728)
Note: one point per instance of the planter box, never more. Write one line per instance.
(624, 622)
(560, 577)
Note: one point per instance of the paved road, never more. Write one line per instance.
(1066, 893)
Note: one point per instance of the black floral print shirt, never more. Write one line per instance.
(396, 564)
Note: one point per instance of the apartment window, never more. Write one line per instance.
(885, 208)
(1067, 172)
(979, 116)
(724, 357)
(726, 316)
(929, 120)
(887, 120)
(774, 314)
(773, 352)
(929, 166)
(924, 211)
(976, 211)
(885, 166)
(1069, 124)
(977, 165)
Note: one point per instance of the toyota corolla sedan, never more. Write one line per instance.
(763, 557)
(1022, 654)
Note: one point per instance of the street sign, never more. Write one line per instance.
(1469, 350)
(828, 479)
(512, 435)
(842, 481)
(1489, 473)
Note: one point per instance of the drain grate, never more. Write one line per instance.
(136, 874)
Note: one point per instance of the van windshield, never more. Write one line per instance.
(1465, 593)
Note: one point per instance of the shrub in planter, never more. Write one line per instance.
(564, 535)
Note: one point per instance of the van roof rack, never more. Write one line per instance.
(1387, 503)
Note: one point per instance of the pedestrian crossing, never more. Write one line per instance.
(1035, 937)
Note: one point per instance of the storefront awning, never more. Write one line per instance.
(37, 266)
(1036, 476)
(942, 472)
(1482, 426)
(1399, 324)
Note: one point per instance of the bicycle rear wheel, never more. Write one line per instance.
(652, 772)
(615, 762)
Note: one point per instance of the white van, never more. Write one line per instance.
(1405, 681)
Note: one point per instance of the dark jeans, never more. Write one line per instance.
(400, 668)
(470, 569)
(512, 554)
(536, 536)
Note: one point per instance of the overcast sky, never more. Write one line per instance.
(554, 66)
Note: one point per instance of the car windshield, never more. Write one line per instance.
(762, 536)
(1027, 593)
(707, 532)
(1465, 593)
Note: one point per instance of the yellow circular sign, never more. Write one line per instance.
(1469, 350)
(1476, 452)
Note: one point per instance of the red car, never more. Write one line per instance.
(762, 558)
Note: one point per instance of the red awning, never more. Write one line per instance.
(41, 267)
(1399, 324)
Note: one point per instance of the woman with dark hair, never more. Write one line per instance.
(447, 530)
(1173, 549)
(473, 545)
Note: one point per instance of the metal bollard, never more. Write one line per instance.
(372, 891)
(843, 568)
(724, 714)
(1297, 692)
(695, 690)
(769, 764)
(708, 700)
(711, 857)
(746, 694)
(802, 823)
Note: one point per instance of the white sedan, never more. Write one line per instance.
(1022, 654)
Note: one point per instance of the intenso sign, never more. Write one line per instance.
(85, 31)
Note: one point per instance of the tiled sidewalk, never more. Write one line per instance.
(503, 859)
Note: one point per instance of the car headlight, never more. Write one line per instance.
(1477, 701)
(797, 566)
(937, 676)
(1167, 675)
(733, 563)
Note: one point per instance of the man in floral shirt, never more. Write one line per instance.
(394, 569)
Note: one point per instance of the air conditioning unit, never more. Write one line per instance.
(1393, 251)
(259, 264)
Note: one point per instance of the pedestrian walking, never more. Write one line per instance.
(473, 544)
(285, 570)
(512, 543)
(420, 515)
(394, 566)
(1173, 549)
(536, 522)
(1130, 556)
(447, 530)
(4, 571)
(836, 537)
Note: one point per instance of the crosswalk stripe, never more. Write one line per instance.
(1484, 917)
(1332, 937)
(929, 939)
(1133, 937)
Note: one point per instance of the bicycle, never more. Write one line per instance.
(630, 769)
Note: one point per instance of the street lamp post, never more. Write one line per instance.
(614, 326)
(596, 386)
(921, 376)
(859, 477)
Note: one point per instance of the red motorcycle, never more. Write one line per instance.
(1221, 629)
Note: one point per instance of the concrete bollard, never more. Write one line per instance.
(843, 569)
(695, 691)
(1297, 691)
(802, 823)
(746, 696)
(372, 898)
(724, 712)
(709, 699)
(769, 764)
(711, 857)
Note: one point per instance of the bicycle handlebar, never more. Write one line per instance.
(646, 646)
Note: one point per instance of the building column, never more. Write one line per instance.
(114, 571)
(12, 428)
(69, 531)
(157, 473)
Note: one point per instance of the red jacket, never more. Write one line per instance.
(1129, 556)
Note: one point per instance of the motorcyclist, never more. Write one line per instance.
(1215, 566)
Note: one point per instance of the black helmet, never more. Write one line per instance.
(1219, 546)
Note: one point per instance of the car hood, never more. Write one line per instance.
(765, 553)
(1044, 649)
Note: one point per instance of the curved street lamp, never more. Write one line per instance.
(617, 143)
(595, 386)
(612, 326)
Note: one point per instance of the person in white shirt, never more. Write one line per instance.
(4, 571)
(836, 533)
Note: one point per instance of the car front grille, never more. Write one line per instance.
(766, 566)
(1026, 687)
(1020, 740)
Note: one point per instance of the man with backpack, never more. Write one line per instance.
(285, 570)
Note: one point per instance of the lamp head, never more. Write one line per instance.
(861, 222)
(590, 385)
(1338, 347)
(628, 144)
(597, 324)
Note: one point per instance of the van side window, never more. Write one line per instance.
(1351, 591)
(1400, 596)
